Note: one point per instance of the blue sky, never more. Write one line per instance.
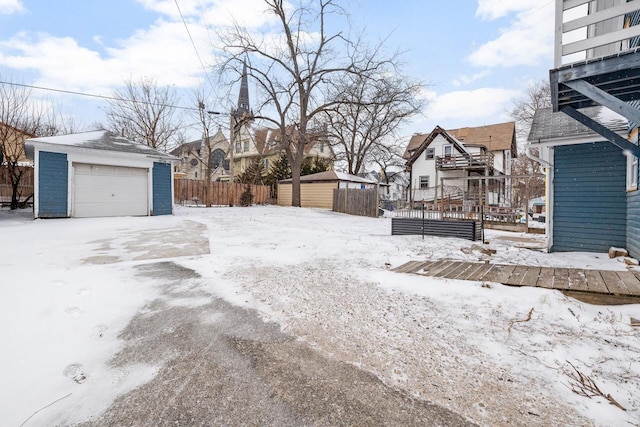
(476, 55)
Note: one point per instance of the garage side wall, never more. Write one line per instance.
(162, 193)
(53, 185)
(312, 195)
(590, 200)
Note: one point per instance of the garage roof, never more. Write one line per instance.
(331, 176)
(97, 140)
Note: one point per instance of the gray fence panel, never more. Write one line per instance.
(470, 230)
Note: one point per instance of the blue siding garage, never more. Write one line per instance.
(53, 184)
(589, 200)
(162, 194)
(99, 174)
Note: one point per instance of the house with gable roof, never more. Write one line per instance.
(461, 153)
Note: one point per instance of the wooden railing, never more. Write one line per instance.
(469, 161)
(584, 40)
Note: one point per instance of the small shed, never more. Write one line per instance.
(98, 174)
(316, 190)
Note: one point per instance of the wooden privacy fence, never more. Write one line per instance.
(25, 189)
(193, 191)
(356, 201)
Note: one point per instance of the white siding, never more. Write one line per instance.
(424, 167)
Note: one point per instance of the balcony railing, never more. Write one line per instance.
(585, 30)
(469, 161)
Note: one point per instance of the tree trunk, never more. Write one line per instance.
(296, 167)
(15, 184)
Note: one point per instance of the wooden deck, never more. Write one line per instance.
(623, 283)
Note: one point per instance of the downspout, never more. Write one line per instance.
(549, 192)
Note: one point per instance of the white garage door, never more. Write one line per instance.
(109, 191)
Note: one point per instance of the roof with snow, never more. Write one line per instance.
(96, 140)
(548, 125)
(331, 176)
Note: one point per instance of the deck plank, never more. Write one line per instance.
(630, 281)
(442, 269)
(545, 279)
(622, 283)
(435, 269)
(517, 275)
(577, 280)
(561, 278)
(432, 266)
(614, 283)
(473, 266)
(407, 267)
(595, 283)
(417, 269)
(478, 274)
(399, 268)
(506, 272)
(451, 273)
(530, 277)
(494, 273)
(469, 266)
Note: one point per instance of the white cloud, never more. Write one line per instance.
(9, 7)
(214, 13)
(162, 50)
(470, 106)
(465, 80)
(526, 41)
(494, 9)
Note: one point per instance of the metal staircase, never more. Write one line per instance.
(597, 62)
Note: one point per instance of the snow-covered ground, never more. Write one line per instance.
(68, 287)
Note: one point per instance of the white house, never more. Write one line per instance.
(440, 163)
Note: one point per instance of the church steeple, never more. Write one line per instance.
(243, 97)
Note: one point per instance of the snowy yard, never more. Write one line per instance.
(69, 287)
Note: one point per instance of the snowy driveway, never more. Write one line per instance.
(291, 317)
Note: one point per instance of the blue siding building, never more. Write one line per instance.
(53, 185)
(592, 205)
(589, 198)
(162, 189)
(95, 174)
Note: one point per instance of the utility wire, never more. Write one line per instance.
(195, 48)
(110, 98)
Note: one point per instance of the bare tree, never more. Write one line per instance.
(537, 96)
(146, 113)
(205, 123)
(20, 118)
(388, 158)
(293, 74)
(370, 109)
